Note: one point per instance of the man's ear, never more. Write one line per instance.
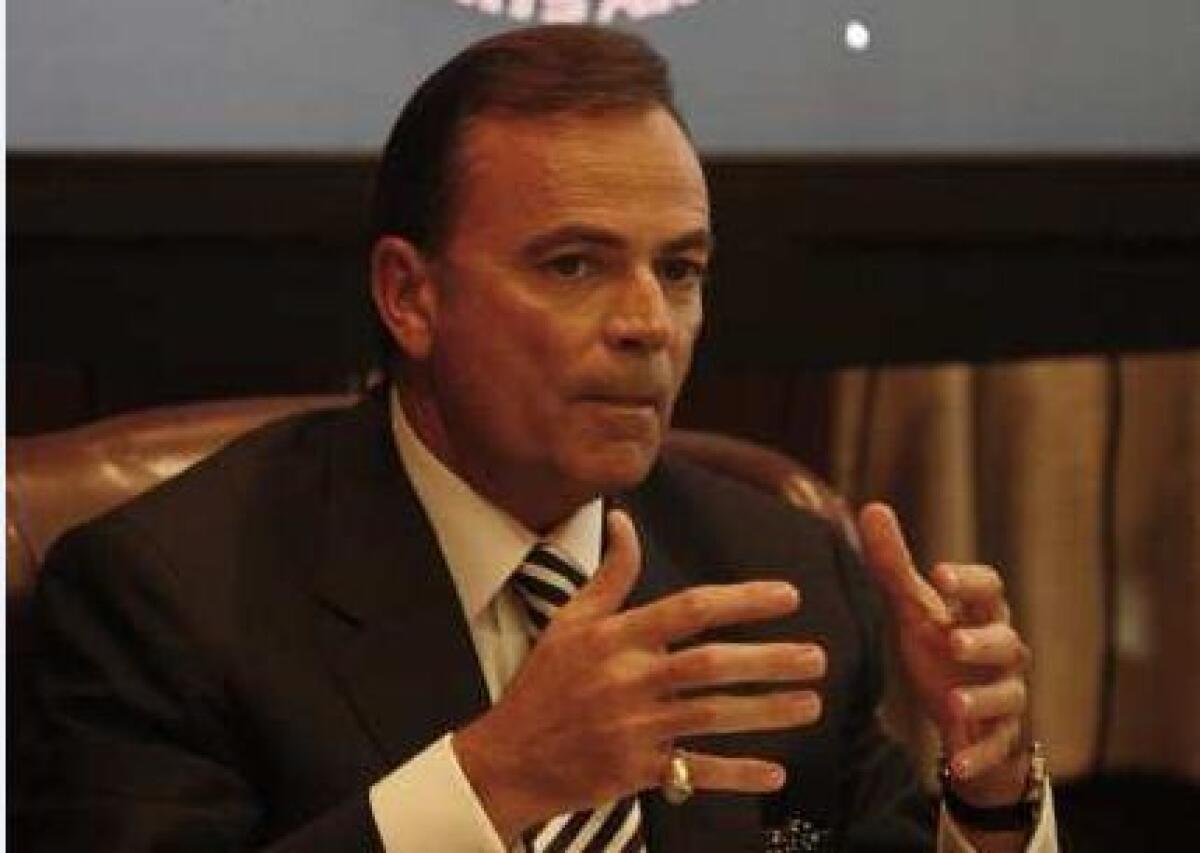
(405, 295)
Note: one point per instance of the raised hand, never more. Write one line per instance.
(595, 709)
(964, 659)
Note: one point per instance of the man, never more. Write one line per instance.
(477, 611)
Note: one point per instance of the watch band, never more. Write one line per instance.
(1021, 815)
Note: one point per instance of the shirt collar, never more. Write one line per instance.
(482, 543)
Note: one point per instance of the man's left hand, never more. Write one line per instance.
(964, 659)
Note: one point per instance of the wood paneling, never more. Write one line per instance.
(137, 279)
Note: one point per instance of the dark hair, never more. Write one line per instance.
(531, 72)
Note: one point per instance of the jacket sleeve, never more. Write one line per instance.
(133, 746)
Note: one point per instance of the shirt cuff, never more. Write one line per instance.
(1044, 839)
(427, 803)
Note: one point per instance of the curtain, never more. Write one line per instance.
(1080, 479)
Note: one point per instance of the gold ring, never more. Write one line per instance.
(677, 787)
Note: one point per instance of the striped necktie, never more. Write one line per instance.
(545, 581)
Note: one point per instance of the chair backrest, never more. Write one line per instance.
(60, 479)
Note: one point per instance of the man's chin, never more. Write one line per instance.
(619, 466)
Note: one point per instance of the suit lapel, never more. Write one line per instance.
(394, 623)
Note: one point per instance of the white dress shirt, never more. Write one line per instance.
(427, 803)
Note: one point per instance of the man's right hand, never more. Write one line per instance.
(594, 711)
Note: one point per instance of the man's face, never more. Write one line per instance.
(568, 298)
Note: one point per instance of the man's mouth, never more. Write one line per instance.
(625, 401)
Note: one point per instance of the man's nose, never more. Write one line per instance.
(640, 317)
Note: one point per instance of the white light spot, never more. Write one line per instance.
(858, 37)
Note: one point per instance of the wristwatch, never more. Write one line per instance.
(1021, 815)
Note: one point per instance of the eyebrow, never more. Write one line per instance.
(699, 238)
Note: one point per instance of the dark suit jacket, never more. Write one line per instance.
(230, 661)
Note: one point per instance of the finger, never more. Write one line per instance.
(994, 644)
(890, 561)
(744, 775)
(981, 614)
(717, 664)
(955, 734)
(976, 587)
(726, 714)
(994, 749)
(1004, 698)
(614, 579)
(703, 608)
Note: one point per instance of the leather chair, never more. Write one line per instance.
(57, 480)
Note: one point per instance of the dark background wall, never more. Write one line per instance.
(1006, 181)
(139, 279)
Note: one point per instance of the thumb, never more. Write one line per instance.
(611, 584)
(892, 565)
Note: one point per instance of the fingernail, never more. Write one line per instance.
(776, 777)
(949, 579)
(963, 644)
(813, 656)
(784, 594)
(808, 704)
(962, 768)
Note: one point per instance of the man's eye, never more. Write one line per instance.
(682, 272)
(571, 267)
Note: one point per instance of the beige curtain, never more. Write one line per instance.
(1064, 473)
